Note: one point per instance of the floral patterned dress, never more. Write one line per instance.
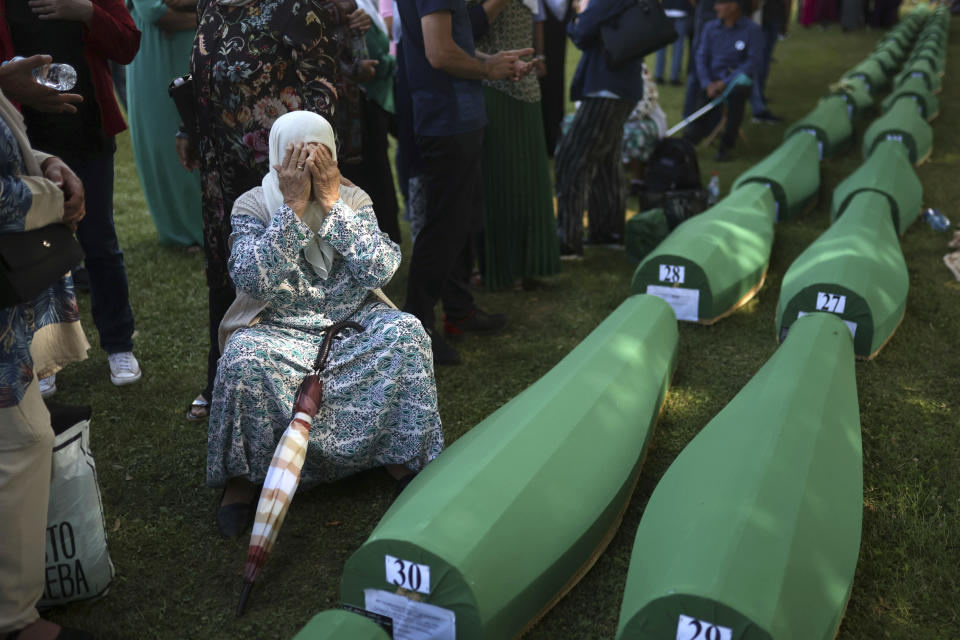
(250, 65)
(379, 398)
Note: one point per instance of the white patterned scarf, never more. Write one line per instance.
(291, 128)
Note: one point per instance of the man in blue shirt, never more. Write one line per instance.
(443, 73)
(728, 46)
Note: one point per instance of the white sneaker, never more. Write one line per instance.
(48, 386)
(124, 368)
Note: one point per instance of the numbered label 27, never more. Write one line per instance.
(831, 302)
(408, 575)
(692, 629)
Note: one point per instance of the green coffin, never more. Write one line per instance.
(830, 122)
(921, 69)
(341, 625)
(886, 171)
(894, 48)
(888, 61)
(872, 73)
(512, 514)
(716, 261)
(856, 270)
(937, 59)
(917, 89)
(901, 37)
(902, 122)
(792, 172)
(854, 91)
(753, 532)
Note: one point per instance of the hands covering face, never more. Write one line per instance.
(308, 170)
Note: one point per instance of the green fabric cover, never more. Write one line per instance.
(756, 524)
(887, 60)
(937, 59)
(724, 252)
(338, 624)
(830, 122)
(871, 71)
(887, 171)
(854, 91)
(904, 122)
(915, 88)
(858, 258)
(792, 171)
(922, 69)
(894, 48)
(509, 514)
(644, 232)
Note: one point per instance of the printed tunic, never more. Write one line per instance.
(379, 401)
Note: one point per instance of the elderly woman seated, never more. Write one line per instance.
(307, 253)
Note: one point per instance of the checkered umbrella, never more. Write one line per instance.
(284, 473)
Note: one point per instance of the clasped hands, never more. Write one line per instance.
(507, 64)
(715, 88)
(308, 172)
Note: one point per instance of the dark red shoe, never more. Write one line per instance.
(477, 321)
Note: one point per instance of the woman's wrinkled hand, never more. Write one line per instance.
(326, 177)
(187, 154)
(359, 20)
(294, 177)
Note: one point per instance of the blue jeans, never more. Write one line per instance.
(109, 295)
(758, 97)
(680, 25)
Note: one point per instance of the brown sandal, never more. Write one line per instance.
(199, 409)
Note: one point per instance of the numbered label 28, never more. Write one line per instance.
(672, 273)
(692, 629)
(408, 575)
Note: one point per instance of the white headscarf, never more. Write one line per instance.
(291, 128)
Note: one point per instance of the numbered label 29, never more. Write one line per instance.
(672, 273)
(831, 302)
(408, 575)
(692, 629)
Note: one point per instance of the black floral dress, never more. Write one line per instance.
(251, 64)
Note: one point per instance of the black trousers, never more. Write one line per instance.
(373, 173)
(551, 85)
(443, 251)
(701, 128)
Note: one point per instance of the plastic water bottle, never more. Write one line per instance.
(56, 75)
(713, 188)
(936, 220)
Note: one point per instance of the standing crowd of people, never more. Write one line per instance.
(279, 173)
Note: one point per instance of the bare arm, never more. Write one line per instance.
(174, 20)
(446, 55)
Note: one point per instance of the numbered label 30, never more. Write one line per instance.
(408, 575)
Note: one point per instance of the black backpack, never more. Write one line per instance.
(673, 166)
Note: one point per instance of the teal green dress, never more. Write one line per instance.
(172, 194)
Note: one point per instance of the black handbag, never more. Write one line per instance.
(638, 31)
(31, 261)
(181, 90)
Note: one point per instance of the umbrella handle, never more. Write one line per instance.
(309, 396)
(330, 332)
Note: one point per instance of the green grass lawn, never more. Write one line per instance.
(176, 578)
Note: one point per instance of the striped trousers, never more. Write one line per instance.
(589, 174)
